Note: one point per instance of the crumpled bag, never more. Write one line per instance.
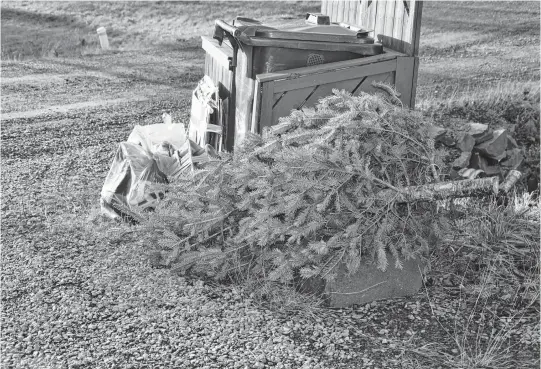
(140, 165)
(131, 182)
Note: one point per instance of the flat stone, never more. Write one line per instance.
(513, 158)
(442, 135)
(480, 132)
(462, 161)
(436, 132)
(495, 147)
(466, 143)
(490, 167)
(370, 284)
(511, 143)
(477, 129)
(447, 139)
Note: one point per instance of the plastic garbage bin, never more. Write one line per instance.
(295, 44)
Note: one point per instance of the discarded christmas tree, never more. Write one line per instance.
(324, 187)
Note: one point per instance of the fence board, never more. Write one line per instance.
(397, 42)
(353, 6)
(390, 7)
(390, 21)
(340, 9)
(362, 14)
(414, 32)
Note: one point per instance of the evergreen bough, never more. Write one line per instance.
(300, 201)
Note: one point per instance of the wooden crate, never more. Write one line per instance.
(277, 94)
(396, 25)
(260, 100)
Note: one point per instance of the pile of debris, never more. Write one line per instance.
(483, 151)
(159, 154)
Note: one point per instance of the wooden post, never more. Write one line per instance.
(405, 66)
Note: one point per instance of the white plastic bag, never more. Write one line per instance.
(151, 137)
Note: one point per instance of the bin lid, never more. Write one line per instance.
(315, 27)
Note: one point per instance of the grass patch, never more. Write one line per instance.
(491, 265)
(27, 34)
(68, 29)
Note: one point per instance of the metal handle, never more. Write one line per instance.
(232, 30)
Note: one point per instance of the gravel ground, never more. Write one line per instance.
(76, 295)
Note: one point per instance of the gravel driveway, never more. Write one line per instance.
(77, 295)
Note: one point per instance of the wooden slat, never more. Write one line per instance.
(326, 90)
(363, 13)
(212, 72)
(406, 25)
(331, 9)
(413, 32)
(348, 11)
(335, 9)
(292, 100)
(414, 82)
(257, 108)
(381, 77)
(390, 7)
(267, 100)
(372, 12)
(404, 78)
(220, 53)
(325, 7)
(340, 9)
(380, 18)
(354, 7)
(207, 61)
(397, 42)
(334, 76)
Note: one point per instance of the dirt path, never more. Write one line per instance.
(62, 109)
(47, 78)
